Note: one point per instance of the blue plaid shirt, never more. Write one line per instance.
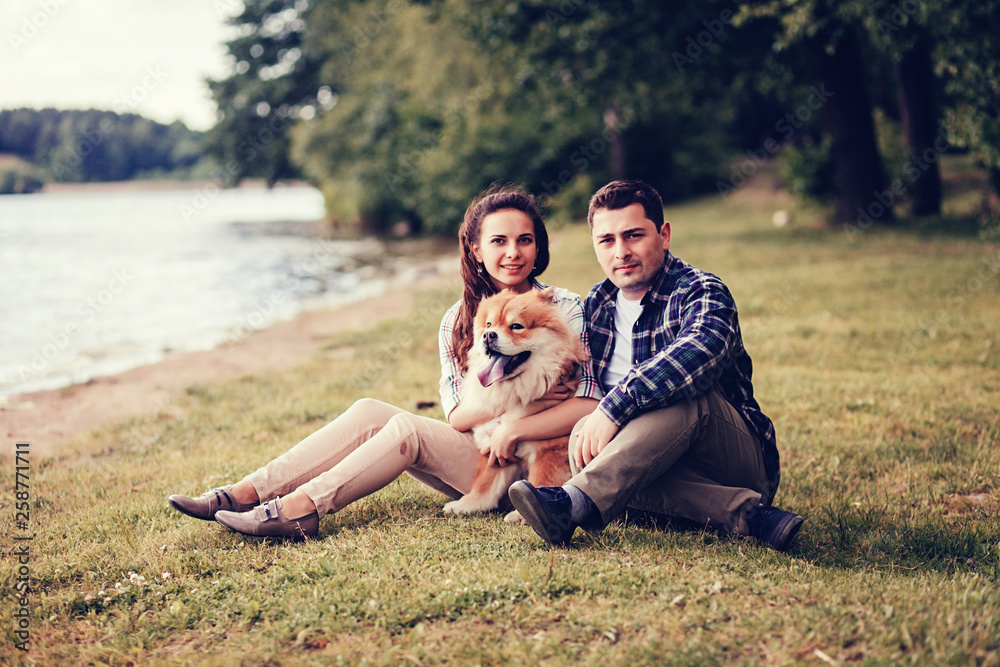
(686, 342)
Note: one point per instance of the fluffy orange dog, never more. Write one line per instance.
(522, 348)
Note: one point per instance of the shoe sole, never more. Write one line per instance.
(527, 504)
(785, 532)
(295, 534)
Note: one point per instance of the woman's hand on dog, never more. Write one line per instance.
(503, 443)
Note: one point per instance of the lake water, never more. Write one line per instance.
(95, 283)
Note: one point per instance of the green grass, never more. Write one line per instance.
(877, 354)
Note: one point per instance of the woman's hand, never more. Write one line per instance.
(502, 445)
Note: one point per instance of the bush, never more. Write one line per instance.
(808, 168)
(19, 181)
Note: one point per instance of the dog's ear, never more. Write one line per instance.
(548, 294)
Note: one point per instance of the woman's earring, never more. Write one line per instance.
(480, 269)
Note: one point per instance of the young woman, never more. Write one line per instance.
(504, 247)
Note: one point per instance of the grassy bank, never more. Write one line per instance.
(876, 353)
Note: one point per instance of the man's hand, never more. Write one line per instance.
(501, 448)
(593, 437)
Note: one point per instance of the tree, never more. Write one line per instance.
(438, 99)
(919, 112)
(825, 43)
(903, 33)
(274, 83)
(967, 55)
(643, 77)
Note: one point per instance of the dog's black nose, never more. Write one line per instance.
(489, 336)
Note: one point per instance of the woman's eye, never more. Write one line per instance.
(516, 327)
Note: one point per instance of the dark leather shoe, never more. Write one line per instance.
(267, 521)
(210, 502)
(548, 510)
(773, 526)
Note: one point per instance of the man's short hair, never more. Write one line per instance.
(619, 194)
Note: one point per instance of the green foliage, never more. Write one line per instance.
(423, 121)
(273, 84)
(808, 169)
(401, 111)
(18, 176)
(96, 145)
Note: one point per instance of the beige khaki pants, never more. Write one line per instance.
(698, 460)
(366, 448)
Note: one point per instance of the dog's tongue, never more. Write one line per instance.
(494, 371)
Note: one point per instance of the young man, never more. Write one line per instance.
(678, 431)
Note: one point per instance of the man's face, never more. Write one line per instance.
(629, 248)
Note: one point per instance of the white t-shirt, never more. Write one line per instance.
(626, 314)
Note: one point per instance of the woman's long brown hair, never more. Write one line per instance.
(476, 282)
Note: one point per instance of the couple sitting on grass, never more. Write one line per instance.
(663, 421)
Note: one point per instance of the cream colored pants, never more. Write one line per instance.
(366, 448)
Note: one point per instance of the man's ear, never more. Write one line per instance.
(665, 234)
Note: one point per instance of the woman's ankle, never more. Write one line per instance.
(297, 505)
(244, 493)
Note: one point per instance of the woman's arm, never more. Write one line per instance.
(464, 416)
(552, 423)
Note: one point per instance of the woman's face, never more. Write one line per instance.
(507, 249)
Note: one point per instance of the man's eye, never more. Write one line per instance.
(516, 327)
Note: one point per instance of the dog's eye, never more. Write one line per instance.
(489, 324)
(516, 327)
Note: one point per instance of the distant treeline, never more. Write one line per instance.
(92, 145)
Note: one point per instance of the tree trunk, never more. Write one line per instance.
(860, 189)
(918, 109)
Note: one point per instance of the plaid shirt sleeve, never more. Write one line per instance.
(450, 386)
(695, 335)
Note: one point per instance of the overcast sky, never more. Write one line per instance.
(149, 57)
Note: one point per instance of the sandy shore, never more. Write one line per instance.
(50, 418)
